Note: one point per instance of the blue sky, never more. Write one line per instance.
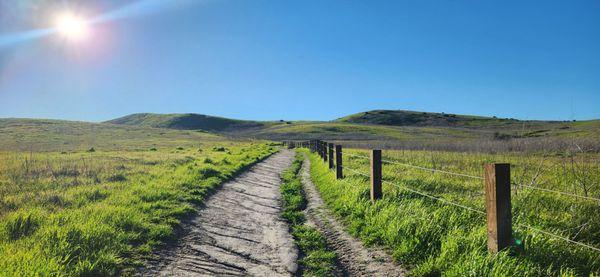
(306, 59)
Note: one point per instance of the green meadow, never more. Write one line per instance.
(434, 238)
(99, 203)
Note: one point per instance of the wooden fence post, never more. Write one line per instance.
(338, 162)
(375, 174)
(330, 155)
(324, 151)
(498, 208)
(318, 144)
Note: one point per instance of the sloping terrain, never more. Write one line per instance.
(511, 126)
(378, 125)
(185, 122)
(60, 135)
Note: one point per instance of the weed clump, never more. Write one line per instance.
(219, 149)
(20, 225)
(119, 177)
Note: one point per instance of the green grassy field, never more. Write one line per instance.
(434, 238)
(68, 210)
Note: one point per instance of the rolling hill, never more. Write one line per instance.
(186, 122)
(376, 124)
(42, 135)
(381, 128)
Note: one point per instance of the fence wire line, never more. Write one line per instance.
(479, 211)
(420, 167)
(434, 197)
(357, 156)
(433, 170)
(559, 237)
(355, 171)
(558, 192)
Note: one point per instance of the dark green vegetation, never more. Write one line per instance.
(74, 211)
(316, 259)
(186, 122)
(433, 238)
(400, 129)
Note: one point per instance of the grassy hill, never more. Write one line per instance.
(60, 135)
(414, 118)
(185, 122)
(394, 129)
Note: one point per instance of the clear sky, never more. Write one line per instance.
(307, 59)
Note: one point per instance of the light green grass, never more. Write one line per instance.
(432, 238)
(102, 212)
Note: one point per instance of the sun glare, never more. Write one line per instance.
(71, 26)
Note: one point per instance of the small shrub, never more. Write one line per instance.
(91, 150)
(208, 172)
(219, 149)
(153, 149)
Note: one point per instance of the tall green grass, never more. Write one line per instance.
(101, 213)
(316, 259)
(432, 238)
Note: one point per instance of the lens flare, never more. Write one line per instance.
(71, 26)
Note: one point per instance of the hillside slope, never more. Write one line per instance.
(185, 122)
(18, 134)
(414, 118)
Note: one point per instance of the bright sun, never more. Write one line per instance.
(71, 26)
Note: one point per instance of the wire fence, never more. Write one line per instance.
(476, 177)
(558, 237)
(432, 169)
(558, 192)
(448, 202)
(477, 211)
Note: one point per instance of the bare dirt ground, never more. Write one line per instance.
(239, 231)
(354, 258)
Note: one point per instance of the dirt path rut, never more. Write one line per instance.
(355, 259)
(239, 231)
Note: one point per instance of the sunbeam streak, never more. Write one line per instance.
(16, 38)
(77, 29)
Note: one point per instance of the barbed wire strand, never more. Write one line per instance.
(357, 156)
(356, 171)
(433, 170)
(558, 192)
(434, 197)
(559, 237)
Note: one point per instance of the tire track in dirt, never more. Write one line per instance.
(238, 232)
(354, 258)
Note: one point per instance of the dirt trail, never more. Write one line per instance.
(354, 257)
(239, 231)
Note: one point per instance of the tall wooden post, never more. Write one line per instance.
(376, 175)
(318, 144)
(498, 208)
(330, 155)
(338, 162)
(324, 151)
